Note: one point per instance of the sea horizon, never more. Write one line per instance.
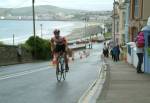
(22, 30)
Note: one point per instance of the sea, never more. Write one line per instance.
(20, 31)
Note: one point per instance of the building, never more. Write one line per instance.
(139, 13)
(127, 12)
(115, 23)
(121, 14)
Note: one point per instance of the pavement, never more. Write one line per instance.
(123, 85)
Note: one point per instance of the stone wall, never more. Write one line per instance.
(12, 55)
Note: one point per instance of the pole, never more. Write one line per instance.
(127, 23)
(114, 23)
(41, 30)
(33, 13)
(13, 39)
(85, 32)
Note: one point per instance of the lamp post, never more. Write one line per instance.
(126, 20)
(41, 30)
(33, 13)
(85, 31)
(13, 39)
(114, 22)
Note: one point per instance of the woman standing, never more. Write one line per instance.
(140, 50)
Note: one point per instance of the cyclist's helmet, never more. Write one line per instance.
(56, 31)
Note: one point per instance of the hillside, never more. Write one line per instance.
(79, 33)
(48, 12)
(27, 11)
(44, 12)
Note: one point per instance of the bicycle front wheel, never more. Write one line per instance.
(58, 73)
(63, 71)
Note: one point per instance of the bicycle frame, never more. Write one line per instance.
(60, 69)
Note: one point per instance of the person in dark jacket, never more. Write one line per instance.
(105, 51)
(117, 53)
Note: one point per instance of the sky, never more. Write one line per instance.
(91, 5)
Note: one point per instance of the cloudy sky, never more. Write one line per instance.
(93, 5)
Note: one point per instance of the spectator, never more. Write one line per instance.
(140, 50)
(105, 50)
(117, 53)
(112, 54)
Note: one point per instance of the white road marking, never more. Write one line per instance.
(22, 73)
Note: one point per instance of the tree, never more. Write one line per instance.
(42, 46)
(108, 26)
(1, 43)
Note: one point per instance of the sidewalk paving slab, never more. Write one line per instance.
(124, 85)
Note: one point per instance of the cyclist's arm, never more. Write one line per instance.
(66, 44)
(52, 44)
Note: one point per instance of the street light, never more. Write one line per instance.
(13, 39)
(85, 31)
(41, 30)
(126, 20)
(114, 22)
(33, 12)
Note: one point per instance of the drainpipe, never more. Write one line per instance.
(114, 24)
(127, 21)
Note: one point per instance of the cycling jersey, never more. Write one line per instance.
(59, 44)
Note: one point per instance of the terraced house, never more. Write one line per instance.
(129, 16)
(139, 13)
(118, 26)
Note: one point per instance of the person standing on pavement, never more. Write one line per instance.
(140, 50)
(105, 50)
(112, 54)
(117, 53)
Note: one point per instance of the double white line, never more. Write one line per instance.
(23, 73)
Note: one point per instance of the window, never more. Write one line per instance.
(136, 8)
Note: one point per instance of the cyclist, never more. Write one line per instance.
(59, 44)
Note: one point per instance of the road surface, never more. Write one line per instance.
(36, 82)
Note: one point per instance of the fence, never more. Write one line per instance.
(132, 56)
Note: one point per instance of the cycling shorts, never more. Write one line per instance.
(60, 48)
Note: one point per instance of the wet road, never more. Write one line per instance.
(36, 82)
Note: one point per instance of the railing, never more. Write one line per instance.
(132, 56)
(77, 46)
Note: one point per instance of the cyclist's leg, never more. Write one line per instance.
(65, 57)
(66, 61)
(56, 50)
(57, 64)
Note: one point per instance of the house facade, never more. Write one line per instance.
(121, 13)
(139, 13)
(118, 25)
(115, 23)
(128, 18)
